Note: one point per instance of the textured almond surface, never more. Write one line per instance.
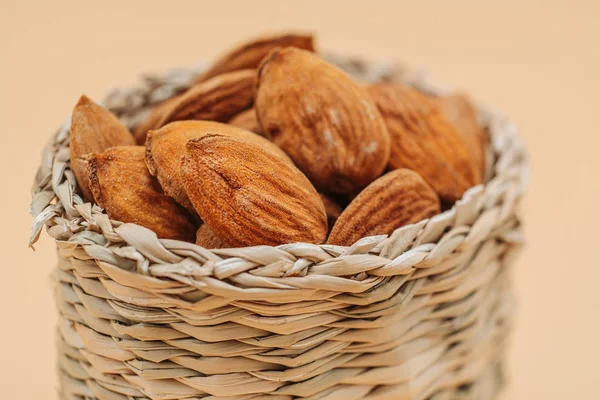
(165, 148)
(122, 185)
(250, 54)
(326, 123)
(247, 120)
(206, 238)
(400, 197)
(461, 112)
(93, 130)
(251, 196)
(422, 139)
(217, 99)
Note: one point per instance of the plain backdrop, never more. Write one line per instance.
(537, 61)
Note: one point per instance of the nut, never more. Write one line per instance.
(459, 110)
(250, 196)
(165, 148)
(122, 185)
(247, 120)
(154, 119)
(325, 122)
(425, 141)
(206, 238)
(250, 54)
(396, 199)
(217, 99)
(332, 209)
(93, 130)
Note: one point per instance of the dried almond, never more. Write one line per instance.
(461, 112)
(78, 165)
(206, 238)
(249, 195)
(154, 119)
(332, 209)
(425, 141)
(325, 122)
(166, 146)
(93, 130)
(217, 99)
(247, 120)
(398, 198)
(250, 54)
(122, 185)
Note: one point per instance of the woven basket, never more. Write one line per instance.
(421, 314)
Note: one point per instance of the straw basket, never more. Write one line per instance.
(421, 314)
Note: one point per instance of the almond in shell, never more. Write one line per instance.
(326, 123)
(93, 130)
(166, 146)
(422, 139)
(250, 196)
(250, 54)
(122, 185)
(398, 198)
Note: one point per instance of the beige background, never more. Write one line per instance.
(536, 60)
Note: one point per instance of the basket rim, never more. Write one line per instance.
(484, 209)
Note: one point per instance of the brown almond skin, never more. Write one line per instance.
(325, 122)
(93, 130)
(398, 198)
(165, 148)
(332, 209)
(247, 120)
(250, 54)
(122, 185)
(217, 99)
(206, 238)
(460, 112)
(425, 141)
(250, 195)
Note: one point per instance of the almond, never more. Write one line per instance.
(325, 122)
(425, 141)
(217, 99)
(249, 195)
(332, 209)
(121, 184)
(247, 120)
(398, 198)
(461, 113)
(165, 148)
(206, 238)
(154, 119)
(250, 54)
(93, 130)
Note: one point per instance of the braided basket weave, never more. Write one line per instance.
(421, 314)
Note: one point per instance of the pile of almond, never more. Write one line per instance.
(274, 145)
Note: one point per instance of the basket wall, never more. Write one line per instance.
(424, 315)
